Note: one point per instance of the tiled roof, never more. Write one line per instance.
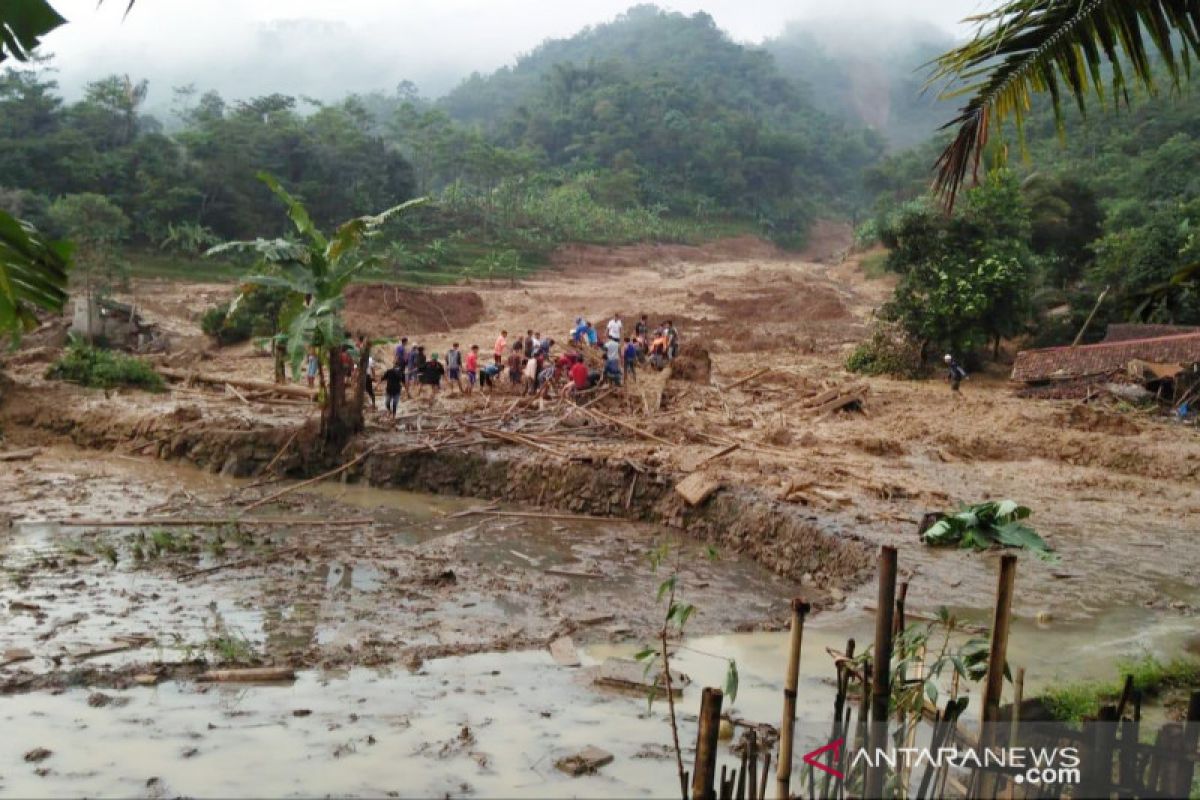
(1056, 363)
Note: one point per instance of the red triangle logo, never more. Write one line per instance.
(836, 747)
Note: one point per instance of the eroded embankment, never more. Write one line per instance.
(783, 538)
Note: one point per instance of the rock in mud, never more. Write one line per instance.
(37, 755)
(585, 762)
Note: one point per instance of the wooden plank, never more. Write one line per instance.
(585, 762)
(747, 379)
(696, 488)
(20, 455)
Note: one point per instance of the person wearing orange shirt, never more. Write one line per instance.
(501, 344)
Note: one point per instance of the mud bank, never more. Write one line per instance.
(781, 538)
(785, 539)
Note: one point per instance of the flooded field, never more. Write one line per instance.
(420, 635)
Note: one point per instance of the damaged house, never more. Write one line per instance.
(1133, 362)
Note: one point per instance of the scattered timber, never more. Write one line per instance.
(221, 381)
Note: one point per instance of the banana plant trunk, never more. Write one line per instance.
(343, 415)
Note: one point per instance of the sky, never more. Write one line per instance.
(323, 48)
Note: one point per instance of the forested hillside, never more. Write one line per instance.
(655, 126)
(868, 73)
(670, 112)
(1113, 202)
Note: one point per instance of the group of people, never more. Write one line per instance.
(528, 364)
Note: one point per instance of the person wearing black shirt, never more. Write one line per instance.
(393, 381)
(431, 375)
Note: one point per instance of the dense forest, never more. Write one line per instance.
(655, 126)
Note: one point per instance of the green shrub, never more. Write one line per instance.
(104, 369)
(887, 352)
(256, 315)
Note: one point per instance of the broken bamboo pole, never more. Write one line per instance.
(787, 728)
(989, 734)
(271, 497)
(1001, 620)
(881, 672)
(704, 772)
(248, 675)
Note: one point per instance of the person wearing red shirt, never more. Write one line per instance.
(580, 377)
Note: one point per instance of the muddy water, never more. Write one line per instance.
(487, 725)
(490, 724)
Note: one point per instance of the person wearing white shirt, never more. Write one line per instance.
(615, 327)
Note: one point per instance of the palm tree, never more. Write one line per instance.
(315, 271)
(1060, 47)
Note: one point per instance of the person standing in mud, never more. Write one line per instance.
(312, 363)
(431, 375)
(629, 355)
(955, 374)
(393, 383)
(410, 370)
(672, 341)
(454, 366)
(615, 328)
(401, 353)
(641, 330)
(516, 362)
(501, 344)
(490, 374)
(472, 368)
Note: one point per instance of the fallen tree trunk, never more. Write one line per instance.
(253, 386)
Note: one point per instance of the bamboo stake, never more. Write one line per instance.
(705, 771)
(881, 677)
(310, 481)
(989, 734)
(752, 763)
(787, 728)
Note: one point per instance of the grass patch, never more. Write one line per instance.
(104, 369)
(1074, 701)
(197, 269)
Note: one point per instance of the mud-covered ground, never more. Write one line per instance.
(356, 576)
(1115, 492)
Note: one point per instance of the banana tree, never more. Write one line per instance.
(315, 270)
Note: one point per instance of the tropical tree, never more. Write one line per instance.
(1059, 47)
(315, 271)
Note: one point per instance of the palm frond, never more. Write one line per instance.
(1057, 47)
(351, 233)
(272, 251)
(22, 26)
(33, 274)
